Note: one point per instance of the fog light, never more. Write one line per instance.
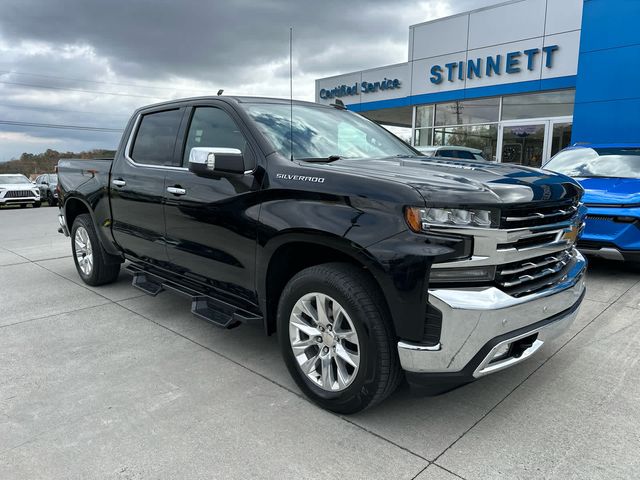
(461, 275)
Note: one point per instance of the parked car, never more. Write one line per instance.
(48, 183)
(460, 153)
(369, 261)
(610, 175)
(16, 189)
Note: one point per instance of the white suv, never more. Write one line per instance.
(17, 189)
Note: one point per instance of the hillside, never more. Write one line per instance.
(35, 163)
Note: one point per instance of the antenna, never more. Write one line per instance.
(291, 91)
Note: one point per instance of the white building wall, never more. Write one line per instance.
(512, 26)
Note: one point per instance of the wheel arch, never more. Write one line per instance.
(291, 253)
(74, 206)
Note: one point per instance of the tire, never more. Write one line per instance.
(37, 204)
(51, 200)
(93, 264)
(23, 205)
(378, 371)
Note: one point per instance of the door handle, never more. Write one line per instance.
(176, 190)
(119, 183)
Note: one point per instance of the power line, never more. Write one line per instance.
(34, 107)
(137, 85)
(61, 127)
(80, 90)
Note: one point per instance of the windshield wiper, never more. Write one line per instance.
(329, 159)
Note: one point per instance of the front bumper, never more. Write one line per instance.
(19, 200)
(612, 233)
(478, 323)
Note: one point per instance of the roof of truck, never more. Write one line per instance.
(237, 99)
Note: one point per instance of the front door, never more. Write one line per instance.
(524, 144)
(211, 222)
(533, 142)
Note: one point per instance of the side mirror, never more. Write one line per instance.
(210, 161)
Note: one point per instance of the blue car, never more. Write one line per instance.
(610, 175)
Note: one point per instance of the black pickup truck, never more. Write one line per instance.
(372, 263)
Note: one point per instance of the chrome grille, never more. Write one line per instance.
(538, 215)
(19, 194)
(528, 276)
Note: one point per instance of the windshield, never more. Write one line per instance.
(597, 162)
(320, 132)
(14, 179)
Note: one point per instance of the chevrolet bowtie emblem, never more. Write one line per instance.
(571, 235)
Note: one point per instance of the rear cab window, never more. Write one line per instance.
(155, 138)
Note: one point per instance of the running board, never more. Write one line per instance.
(141, 281)
(213, 310)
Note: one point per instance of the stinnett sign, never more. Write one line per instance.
(512, 62)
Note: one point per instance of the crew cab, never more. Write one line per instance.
(16, 189)
(371, 263)
(610, 175)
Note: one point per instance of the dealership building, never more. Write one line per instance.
(519, 80)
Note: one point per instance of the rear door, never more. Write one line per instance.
(211, 227)
(137, 184)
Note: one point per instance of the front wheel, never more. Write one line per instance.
(37, 204)
(92, 262)
(336, 338)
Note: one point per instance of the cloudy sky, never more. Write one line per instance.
(90, 63)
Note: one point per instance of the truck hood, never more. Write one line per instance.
(455, 182)
(611, 191)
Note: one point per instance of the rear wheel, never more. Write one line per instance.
(336, 338)
(94, 265)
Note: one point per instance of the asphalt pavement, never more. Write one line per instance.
(107, 382)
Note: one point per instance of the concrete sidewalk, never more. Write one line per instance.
(109, 383)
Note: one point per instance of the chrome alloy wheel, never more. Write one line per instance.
(324, 342)
(84, 252)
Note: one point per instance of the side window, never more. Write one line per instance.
(214, 128)
(156, 138)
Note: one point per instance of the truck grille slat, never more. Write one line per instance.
(524, 277)
(538, 215)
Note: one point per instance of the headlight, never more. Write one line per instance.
(37, 192)
(420, 219)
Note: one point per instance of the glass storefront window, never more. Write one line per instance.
(484, 110)
(538, 105)
(560, 137)
(423, 137)
(424, 116)
(483, 137)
